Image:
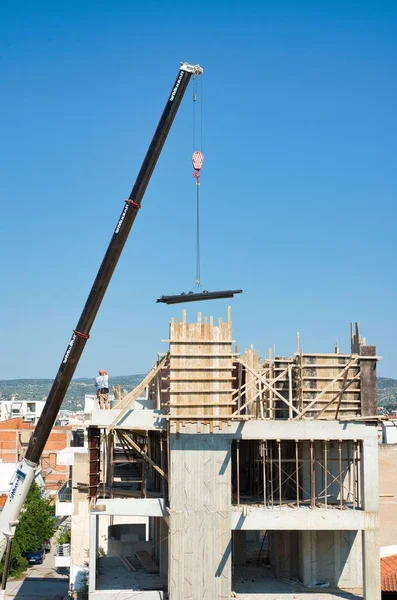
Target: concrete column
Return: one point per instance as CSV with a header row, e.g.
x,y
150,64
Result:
x,y
369,402
93,551
369,475
282,554
239,549
370,535
200,544
371,564
309,557
348,559
305,471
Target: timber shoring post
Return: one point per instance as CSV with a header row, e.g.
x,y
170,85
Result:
x,y
349,472
264,452
162,462
359,491
354,474
312,477
297,471
144,471
290,413
111,461
238,472
271,474
340,474
326,472
279,472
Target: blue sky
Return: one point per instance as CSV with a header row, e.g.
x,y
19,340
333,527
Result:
x,y
298,188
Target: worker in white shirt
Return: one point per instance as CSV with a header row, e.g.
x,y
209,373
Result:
x,y
102,386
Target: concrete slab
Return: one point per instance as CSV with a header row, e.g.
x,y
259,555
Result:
x,y
253,583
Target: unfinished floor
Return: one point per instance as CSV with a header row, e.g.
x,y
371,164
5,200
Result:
x,y
113,575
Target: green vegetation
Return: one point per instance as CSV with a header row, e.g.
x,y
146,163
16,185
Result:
x,y
18,563
63,537
35,527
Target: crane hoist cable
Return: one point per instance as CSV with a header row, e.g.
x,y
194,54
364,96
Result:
x,y
197,160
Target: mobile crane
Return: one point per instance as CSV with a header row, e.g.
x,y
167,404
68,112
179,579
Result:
x,y
25,470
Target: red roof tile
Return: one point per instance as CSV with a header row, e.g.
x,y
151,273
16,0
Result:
x,y
388,569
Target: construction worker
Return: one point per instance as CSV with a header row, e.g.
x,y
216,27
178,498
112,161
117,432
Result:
x,y
102,385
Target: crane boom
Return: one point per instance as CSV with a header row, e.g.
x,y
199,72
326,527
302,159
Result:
x,y
26,468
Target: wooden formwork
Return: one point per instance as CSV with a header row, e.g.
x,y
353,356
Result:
x,y
329,385
200,381
200,378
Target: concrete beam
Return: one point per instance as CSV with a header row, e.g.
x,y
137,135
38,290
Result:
x,y
257,429
150,420
300,519
134,507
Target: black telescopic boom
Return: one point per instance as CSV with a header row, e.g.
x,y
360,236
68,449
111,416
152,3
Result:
x,y
80,335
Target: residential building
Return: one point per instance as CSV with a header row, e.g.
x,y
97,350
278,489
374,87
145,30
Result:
x,y
28,410
14,438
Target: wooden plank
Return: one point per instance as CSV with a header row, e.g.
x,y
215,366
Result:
x,y
267,385
128,565
128,400
198,391
198,356
226,417
146,561
204,348
131,442
195,404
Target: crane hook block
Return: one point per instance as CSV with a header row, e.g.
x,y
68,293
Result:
x,y
197,160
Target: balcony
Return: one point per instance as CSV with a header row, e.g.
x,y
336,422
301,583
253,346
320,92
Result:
x,y
64,503
62,555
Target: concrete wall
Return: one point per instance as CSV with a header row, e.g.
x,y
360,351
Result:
x,y
284,554
199,530
388,494
333,557
79,523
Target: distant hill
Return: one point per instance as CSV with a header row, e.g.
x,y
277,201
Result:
x,y
37,389
387,393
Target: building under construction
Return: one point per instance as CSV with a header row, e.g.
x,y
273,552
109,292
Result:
x,y
227,475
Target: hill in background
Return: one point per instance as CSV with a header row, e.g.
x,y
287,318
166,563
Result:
x,y
37,389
